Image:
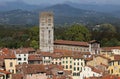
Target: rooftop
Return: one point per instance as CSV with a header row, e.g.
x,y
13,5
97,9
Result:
x,y
72,43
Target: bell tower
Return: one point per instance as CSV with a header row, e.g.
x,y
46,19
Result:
x,y
46,32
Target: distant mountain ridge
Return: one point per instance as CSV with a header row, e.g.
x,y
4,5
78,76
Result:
x,y
96,7
63,13
7,6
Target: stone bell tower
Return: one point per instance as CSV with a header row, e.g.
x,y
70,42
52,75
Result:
x,y
46,32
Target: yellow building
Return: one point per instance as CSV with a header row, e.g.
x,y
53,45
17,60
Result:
x,y
114,66
10,63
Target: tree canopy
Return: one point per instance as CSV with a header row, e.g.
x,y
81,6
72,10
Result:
x,y
77,33
14,36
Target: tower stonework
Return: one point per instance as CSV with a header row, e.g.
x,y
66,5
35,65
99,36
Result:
x,y
46,33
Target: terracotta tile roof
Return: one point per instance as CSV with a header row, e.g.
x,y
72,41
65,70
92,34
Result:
x,y
110,48
110,77
105,77
23,50
31,68
5,72
35,57
57,55
48,69
35,68
78,56
116,57
17,76
86,53
51,66
67,53
73,43
62,51
10,56
44,54
68,72
93,78
61,77
7,53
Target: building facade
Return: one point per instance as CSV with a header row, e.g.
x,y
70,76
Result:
x,y
114,66
22,56
89,72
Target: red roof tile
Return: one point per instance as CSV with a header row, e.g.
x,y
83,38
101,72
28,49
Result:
x,y
5,72
35,57
110,48
17,76
116,57
73,43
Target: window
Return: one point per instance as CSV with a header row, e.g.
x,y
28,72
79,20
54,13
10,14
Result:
x,y
42,24
81,68
49,24
70,66
19,58
78,63
12,71
111,71
78,74
11,64
24,59
49,20
59,63
66,66
66,61
49,31
74,68
118,62
49,41
81,63
78,68
74,74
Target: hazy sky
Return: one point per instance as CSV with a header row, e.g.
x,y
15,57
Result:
x,y
61,1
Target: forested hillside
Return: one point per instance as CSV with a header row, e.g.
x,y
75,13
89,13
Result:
x,y
16,36
63,14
